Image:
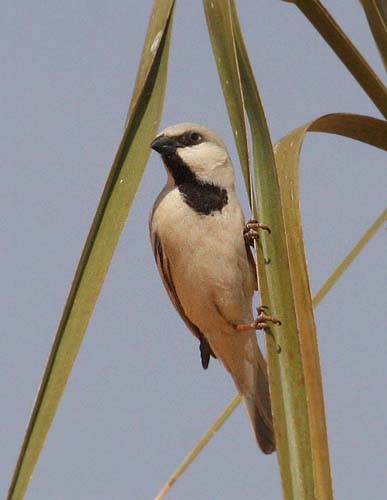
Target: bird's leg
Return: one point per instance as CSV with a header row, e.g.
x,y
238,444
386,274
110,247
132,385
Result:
x,y
251,231
261,321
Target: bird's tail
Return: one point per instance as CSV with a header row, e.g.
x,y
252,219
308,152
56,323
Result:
x,y
244,360
257,402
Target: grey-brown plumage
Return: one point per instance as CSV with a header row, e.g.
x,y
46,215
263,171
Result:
x,y
196,230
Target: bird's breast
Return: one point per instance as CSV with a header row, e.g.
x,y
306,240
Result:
x,y
182,229
203,250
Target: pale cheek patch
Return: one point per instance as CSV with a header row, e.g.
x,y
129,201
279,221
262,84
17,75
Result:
x,y
207,161
203,157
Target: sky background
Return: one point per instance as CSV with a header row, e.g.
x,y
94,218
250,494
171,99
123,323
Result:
x,y
138,398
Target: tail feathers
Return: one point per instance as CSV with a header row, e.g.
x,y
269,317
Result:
x,y
257,402
261,423
245,362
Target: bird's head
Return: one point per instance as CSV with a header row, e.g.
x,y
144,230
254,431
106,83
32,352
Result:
x,y
192,153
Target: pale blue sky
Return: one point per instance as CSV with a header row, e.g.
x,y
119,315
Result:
x,y
138,399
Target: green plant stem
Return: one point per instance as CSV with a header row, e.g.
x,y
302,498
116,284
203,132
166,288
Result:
x,y
322,292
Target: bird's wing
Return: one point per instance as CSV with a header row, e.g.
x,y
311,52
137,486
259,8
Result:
x,y
166,275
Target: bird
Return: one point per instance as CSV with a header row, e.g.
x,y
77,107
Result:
x,y
197,235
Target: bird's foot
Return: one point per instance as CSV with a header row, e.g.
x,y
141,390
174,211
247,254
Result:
x,y
251,231
261,323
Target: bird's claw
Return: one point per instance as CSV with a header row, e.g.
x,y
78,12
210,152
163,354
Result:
x,y
261,323
264,318
251,230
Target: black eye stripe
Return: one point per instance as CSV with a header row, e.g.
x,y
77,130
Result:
x,y
191,138
195,137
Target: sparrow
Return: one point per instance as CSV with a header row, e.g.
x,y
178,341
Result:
x,y
197,235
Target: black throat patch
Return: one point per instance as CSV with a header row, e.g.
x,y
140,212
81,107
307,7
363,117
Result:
x,y
203,197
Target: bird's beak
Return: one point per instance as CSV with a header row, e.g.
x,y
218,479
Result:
x,y
164,145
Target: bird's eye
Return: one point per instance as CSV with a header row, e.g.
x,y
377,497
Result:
x,y
195,138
